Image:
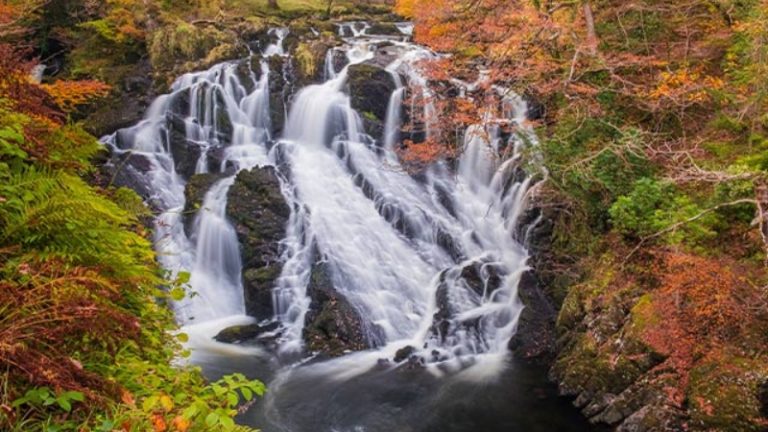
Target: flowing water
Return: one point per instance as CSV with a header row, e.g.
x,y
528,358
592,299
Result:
x,y
398,247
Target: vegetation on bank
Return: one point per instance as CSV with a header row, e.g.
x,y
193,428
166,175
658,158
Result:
x,y
654,134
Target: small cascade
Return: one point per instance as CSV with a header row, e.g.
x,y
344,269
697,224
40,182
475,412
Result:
x,y
276,48
217,261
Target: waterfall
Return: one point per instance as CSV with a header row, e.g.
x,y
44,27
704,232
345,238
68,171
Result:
x,y
429,261
206,111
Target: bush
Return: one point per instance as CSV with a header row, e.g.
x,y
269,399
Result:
x,y
653,207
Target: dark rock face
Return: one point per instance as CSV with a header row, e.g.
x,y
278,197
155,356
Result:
x,y
370,88
194,194
332,326
535,336
244,333
279,89
128,104
259,213
129,170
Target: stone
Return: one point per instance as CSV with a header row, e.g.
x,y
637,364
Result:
x,y
244,333
404,353
259,215
194,193
370,88
332,325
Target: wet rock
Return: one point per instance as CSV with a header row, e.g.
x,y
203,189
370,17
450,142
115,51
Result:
x,y
129,170
332,325
259,214
384,29
536,109
185,153
194,193
370,88
244,333
279,90
535,336
404,353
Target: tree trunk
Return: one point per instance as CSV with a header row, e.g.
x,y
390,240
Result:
x,y
591,34
273,4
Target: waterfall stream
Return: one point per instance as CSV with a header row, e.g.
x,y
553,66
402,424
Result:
x,y
398,247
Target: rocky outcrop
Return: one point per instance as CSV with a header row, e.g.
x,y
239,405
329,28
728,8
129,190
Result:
x,y
332,326
128,170
194,193
370,88
126,104
279,91
309,59
259,214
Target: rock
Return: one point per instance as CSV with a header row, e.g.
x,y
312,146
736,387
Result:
x,y
384,29
194,193
279,90
129,170
762,397
185,153
654,418
332,326
244,333
127,103
259,214
370,88
310,60
404,353
535,336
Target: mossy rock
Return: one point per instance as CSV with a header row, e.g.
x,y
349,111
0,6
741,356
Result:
x,y
384,29
332,326
370,88
194,193
180,47
724,395
259,214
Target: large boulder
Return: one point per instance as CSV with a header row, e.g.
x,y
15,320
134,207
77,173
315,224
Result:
x,y
332,325
259,213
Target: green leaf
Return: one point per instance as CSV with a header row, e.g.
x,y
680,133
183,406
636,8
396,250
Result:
x,y
211,419
232,399
247,393
178,294
64,404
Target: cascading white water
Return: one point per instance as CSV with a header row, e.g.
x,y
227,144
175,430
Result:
x,y
398,248
205,104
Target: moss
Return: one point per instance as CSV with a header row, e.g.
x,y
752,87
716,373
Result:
x,y
723,395
180,42
571,311
305,59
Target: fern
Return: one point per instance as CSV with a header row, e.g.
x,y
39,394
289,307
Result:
x,y
55,215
